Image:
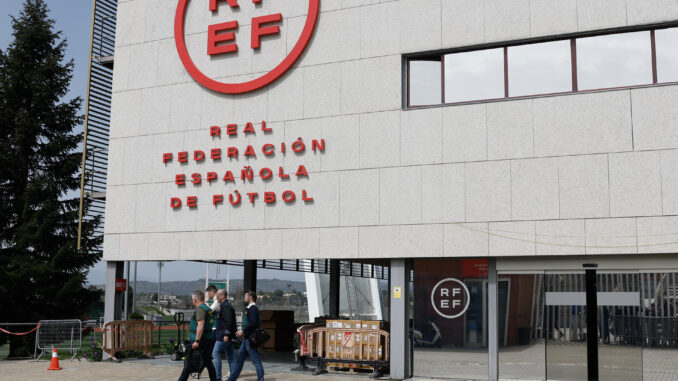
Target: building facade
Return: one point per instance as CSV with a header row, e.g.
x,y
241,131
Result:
x,y
514,164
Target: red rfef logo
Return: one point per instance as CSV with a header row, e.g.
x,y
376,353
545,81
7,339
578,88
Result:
x,y
450,298
221,39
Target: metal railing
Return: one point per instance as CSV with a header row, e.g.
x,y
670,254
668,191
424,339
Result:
x,y
319,266
97,119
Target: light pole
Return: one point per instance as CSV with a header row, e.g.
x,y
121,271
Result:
x,y
134,293
160,264
126,289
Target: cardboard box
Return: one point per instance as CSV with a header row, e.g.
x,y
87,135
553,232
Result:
x,y
374,324
343,324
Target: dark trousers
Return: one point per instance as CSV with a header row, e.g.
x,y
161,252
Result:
x,y
205,348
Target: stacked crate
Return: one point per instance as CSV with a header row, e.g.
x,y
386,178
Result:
x,y
354,340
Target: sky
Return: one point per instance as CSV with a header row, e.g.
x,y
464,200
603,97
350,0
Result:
x,y
73,17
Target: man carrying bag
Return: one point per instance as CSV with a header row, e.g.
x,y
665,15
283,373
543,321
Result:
x,y
251,328
200,339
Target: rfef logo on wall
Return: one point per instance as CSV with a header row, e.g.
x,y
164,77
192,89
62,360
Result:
x,y
450,298
225,39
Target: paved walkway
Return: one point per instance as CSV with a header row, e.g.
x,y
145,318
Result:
x,y
126,371
519,363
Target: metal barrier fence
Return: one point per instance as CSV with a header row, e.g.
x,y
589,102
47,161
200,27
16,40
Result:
x,y
166,332
59,334
648,331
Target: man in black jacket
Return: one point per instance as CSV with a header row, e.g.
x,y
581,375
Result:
x,y
250,323
224,334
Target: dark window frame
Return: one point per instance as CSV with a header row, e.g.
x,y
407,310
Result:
x,y
572,37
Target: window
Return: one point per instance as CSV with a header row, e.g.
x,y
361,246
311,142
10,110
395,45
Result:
x,y
561,66
540,68
614,60
474,75
666,42
425,82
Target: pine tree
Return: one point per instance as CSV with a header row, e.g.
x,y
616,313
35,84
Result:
x,y
42,274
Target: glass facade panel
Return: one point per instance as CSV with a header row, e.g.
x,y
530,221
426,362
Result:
x,y
619,352
659,325
666,43
521,337
450,318
476,75
425,86
565,326
614,60
540,68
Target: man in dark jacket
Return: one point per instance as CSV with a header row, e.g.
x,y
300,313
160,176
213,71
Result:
x,y
224,334
250,323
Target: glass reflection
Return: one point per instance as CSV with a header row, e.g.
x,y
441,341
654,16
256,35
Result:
x,y
540,68
474,75
425,82
619,352
659,325
614,60
565,326
521,337
449,340
666,42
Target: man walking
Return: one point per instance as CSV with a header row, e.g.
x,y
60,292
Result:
x,y
211,299
224,333
250,323
200,336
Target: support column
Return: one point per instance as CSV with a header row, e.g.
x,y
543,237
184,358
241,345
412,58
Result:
x,y
250,276
592,324
492,320
109,289
119,295
112,299
400,320
335,284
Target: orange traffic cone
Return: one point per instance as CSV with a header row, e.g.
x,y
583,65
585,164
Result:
x,y
54,365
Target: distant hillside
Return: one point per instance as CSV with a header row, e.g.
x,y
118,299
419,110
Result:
x,y
180,288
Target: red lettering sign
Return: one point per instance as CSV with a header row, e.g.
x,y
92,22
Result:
x,y
222,39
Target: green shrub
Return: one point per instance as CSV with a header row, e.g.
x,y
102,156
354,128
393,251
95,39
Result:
x,y
136,316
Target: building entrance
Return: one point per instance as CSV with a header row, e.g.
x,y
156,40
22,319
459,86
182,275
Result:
x,y
591,323
628,336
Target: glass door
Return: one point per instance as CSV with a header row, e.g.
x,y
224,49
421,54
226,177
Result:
x,y
620,355
565,326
